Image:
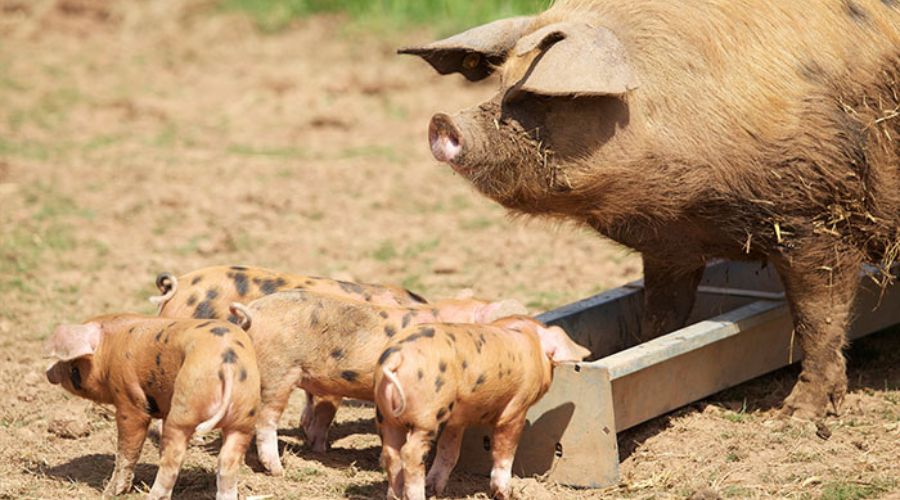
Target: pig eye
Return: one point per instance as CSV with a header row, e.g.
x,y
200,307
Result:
x,y
75,377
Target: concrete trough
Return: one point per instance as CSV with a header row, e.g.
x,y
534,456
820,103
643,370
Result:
x,y
740,328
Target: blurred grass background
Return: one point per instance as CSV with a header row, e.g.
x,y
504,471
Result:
x,y
445,16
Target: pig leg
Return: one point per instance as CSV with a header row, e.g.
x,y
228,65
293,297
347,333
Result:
x,y
323,414
175,440
413,455
669,293
234,445
821,299
392,440
274,399
132,429
504,441
445,459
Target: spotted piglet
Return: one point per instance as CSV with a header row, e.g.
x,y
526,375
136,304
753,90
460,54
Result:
x,y
206,293
196,375
328,346
452,376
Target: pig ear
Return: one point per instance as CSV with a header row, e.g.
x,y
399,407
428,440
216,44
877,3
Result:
x,y
69,342
476,52
496,310
575,59
559,347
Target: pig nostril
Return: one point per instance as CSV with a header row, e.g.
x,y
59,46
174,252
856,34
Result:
x,y
444,137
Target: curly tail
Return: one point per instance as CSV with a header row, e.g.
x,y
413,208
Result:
x,y
168,285
242,314
227,388
389,369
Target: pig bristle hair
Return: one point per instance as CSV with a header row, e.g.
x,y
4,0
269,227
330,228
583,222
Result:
x,y
243,313
168,285
392,378
209,424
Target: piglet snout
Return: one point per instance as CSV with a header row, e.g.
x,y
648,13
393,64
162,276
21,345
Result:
x,y
445,138
53,374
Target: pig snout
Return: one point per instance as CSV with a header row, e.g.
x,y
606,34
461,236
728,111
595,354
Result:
x,y
445,138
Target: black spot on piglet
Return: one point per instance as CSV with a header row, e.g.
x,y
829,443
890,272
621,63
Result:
x,y
229,356
240,283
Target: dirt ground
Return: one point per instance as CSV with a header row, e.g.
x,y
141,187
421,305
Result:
x,y
143,137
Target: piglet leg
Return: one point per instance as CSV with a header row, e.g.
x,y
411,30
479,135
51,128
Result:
x,y
172,450
504,441
274,398
445,460
392,440
413,456
234,445
306,418
323,414
132,429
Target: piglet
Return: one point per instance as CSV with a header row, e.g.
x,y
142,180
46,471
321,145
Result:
x,y
435,375
206,293
196,375
328,346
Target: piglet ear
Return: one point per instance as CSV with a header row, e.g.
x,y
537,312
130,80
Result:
x,y
496,310
559,347
69,342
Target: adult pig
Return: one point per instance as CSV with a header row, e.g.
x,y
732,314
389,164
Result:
x,y
698,129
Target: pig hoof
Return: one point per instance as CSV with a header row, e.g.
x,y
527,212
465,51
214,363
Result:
x,y
810,402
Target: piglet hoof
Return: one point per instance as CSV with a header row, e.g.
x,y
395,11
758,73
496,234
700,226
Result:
x,y
502,494
273,467
117,486
433,488
318,444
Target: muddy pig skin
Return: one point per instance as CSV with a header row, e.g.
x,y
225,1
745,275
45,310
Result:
x,y
196,375
439,375
692,130
206,293
328,346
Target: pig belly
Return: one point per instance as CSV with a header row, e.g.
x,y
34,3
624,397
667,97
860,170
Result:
x,y
337,384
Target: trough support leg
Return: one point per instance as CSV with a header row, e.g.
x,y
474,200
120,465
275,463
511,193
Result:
x,y
821,299
669,294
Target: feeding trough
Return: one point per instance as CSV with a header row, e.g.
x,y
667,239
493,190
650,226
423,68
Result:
x,y
740,328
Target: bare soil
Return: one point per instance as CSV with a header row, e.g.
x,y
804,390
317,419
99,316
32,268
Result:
x,y
143,137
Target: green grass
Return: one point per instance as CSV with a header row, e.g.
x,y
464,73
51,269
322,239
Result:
x,y
447,15
839,490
